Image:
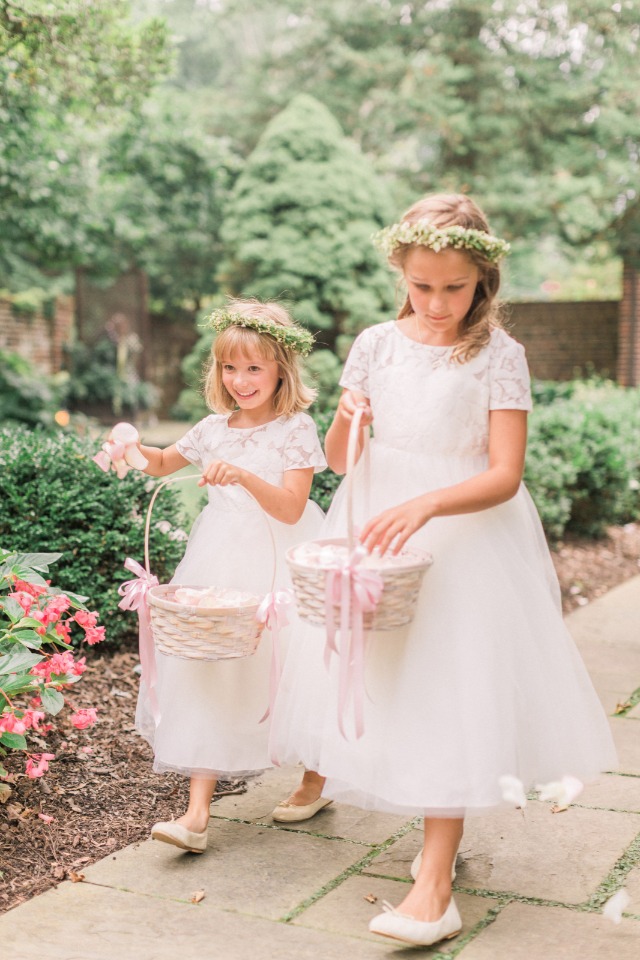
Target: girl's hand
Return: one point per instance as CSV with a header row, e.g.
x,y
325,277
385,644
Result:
x,y
221,473
349,402
396,525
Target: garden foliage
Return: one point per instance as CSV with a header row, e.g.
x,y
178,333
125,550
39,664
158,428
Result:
x,y
37,662
583,457
54,499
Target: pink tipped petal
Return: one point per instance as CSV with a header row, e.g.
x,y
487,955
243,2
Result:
x,y
125,433
616,905
134,457
513,791
115,450
121,468
103,460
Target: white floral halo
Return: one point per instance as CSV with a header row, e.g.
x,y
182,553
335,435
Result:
x,y
295,337
424,234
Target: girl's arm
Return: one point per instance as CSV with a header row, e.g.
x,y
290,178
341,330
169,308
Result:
x,y
162,462
498,483
285,503
335,442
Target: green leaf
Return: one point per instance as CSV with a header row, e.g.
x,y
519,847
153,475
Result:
x,y
15,741
16,683
37,561
12,608
21,660
28,637
52,701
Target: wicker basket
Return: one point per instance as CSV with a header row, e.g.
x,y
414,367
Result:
x,y
197,633
402,581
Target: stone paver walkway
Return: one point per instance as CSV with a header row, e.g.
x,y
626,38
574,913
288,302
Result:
x,y
530,885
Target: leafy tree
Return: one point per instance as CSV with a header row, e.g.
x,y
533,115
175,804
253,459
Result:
x,y
159,204
299,225
529,105
66,70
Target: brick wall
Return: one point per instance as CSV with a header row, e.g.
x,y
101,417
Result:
x,y
567,339
36,337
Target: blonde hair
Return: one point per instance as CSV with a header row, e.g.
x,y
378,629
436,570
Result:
x,y
292,394
448,210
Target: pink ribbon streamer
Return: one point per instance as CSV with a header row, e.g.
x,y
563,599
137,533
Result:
x,y
273,613
356,591
134,597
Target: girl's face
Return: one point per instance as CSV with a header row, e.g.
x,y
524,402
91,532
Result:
x,y
441,288
251,380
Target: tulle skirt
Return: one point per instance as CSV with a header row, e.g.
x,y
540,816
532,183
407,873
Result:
x,y
210,711
486,680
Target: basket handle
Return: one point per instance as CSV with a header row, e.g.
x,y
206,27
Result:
x,y
352,447
196,476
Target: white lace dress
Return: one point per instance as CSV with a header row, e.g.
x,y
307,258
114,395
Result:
x,y
487,680
210,710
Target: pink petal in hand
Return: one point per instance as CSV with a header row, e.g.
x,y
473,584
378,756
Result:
x,y
115,450
103,460
124,433
121,468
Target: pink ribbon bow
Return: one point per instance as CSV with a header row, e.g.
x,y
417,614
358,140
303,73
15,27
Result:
x,y
356,591
134,597
273,613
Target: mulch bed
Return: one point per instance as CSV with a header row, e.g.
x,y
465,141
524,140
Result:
x,y
101,791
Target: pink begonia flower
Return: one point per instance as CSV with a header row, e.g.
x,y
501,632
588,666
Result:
x,y
26,600
38,764
85,618
9,723
94,635
82,719
63,631
121,451
513,791
33,718
616,905
35,589
46,818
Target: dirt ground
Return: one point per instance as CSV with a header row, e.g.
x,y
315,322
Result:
x,y
100,792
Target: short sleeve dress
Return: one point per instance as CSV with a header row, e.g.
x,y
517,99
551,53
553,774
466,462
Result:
x,y
210,710
487,680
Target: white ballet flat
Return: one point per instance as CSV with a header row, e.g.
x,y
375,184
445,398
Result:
x,y
418,933
179,836
287,812
417,861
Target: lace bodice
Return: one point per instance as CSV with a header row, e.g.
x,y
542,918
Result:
x,y
423,401
286,443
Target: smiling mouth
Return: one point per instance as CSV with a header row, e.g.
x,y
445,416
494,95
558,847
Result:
x,y
246,396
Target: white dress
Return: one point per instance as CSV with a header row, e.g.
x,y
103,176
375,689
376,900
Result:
x,y
487,680
210,710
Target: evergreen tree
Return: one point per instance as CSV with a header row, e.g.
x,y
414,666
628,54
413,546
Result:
x,y
299,223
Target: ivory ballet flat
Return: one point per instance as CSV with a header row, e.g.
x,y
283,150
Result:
x,y
287,812
417,861
417,933
179,836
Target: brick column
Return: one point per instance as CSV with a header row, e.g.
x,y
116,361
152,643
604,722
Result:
x,y
629,326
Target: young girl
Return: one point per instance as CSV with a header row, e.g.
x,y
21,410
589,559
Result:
x,y
486,681
259,441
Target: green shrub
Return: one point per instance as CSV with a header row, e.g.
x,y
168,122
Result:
x,y
54,499
583,459
99,379
27,395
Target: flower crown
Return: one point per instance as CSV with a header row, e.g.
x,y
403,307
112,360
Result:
x,y
425,234
295,337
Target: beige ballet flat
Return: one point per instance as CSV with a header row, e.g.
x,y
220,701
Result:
x,y
287,812
179,836
417,933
